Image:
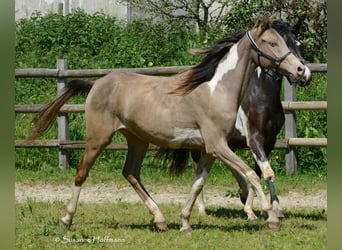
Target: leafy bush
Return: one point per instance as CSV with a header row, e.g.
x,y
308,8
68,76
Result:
x,y
99,41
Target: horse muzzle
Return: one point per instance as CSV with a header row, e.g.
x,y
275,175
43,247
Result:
x,y
303,80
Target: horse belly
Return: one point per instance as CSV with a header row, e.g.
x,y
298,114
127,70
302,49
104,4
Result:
x,y
186,137
168,137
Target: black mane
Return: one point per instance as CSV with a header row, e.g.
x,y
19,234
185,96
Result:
x,y
205,70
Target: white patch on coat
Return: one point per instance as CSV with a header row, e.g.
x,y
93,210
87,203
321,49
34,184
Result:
x,y
241,123
228,64
258,70
183,134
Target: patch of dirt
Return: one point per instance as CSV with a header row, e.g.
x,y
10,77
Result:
x,y
111,192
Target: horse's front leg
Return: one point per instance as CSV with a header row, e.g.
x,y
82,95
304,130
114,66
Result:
x,y
232,161
260,153
203,168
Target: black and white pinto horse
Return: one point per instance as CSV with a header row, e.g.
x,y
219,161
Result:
x,y
259,120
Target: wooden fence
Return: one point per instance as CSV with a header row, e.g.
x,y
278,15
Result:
x,y
61,73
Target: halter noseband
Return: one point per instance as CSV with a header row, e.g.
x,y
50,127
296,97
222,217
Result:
x,y
260,53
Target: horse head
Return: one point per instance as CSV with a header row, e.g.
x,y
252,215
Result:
x,y
289,35
272,52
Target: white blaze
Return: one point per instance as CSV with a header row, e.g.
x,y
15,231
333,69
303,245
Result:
x,y
228,64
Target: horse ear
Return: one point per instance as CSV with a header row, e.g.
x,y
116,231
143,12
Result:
x,y
264,22
272,18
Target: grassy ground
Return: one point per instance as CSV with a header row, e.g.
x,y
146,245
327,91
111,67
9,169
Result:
x,y
129,226
219,175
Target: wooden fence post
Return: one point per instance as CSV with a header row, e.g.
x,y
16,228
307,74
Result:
x,y
63,119
290,128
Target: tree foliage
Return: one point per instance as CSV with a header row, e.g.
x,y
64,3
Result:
x,y
212,16
312,16
203,13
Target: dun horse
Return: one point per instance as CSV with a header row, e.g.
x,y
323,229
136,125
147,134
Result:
x,y
195,109
259,120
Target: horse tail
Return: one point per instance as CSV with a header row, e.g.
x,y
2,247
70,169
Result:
x,y
44,118
176,160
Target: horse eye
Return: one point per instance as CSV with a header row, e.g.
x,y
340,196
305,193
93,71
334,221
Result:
x,y
272,44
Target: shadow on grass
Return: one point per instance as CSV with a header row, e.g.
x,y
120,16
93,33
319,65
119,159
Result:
x,y
234,220
228,212
314,215
247,227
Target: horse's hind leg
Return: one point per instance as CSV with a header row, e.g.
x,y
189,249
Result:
x,y
246,194
135,155
196,155
88,159
98,137
203,168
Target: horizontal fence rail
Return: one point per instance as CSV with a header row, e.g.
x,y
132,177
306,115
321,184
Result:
x,y
83,73
79,108
62,73
281,143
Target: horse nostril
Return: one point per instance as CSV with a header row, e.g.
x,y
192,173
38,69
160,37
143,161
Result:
x,y
300,68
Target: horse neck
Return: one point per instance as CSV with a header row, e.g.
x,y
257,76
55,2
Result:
x,y
235,70
263,90
267,85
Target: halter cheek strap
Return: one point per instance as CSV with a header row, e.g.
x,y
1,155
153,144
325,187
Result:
x,y
276,61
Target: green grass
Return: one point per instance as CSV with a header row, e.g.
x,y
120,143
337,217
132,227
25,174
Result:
x,y
129,226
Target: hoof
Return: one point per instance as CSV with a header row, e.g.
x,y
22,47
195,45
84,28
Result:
x,y
252,218
65,224
274,226
186,230
162,226
279,213
202,213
